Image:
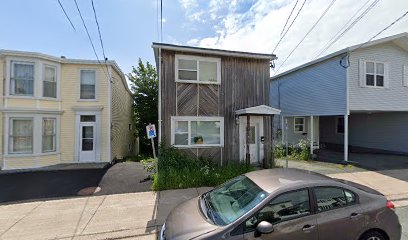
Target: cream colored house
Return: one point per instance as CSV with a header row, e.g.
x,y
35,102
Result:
x,y
58,110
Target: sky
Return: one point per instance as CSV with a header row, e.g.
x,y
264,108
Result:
x,y
128,27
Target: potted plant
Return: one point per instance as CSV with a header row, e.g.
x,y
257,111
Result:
x,y
198,140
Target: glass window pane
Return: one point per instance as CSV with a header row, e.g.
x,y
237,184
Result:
x,y
187,75
48,126
299,120
284,207
340,125
181,133
87,144
208,71
370,80
48,136
252,135
87,91
369,67
48,144
88,118
379,68
205,132
329,198
87,132
187,64
21,136
49,74
350,197
88,77
380,81
23,71
50,89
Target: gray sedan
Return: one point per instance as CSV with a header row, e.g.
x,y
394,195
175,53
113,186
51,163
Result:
x,y
285,204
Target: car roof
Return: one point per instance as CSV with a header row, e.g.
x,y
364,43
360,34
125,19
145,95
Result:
x,y
272,179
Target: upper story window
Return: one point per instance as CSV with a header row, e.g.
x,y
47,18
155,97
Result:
x,y
299,124
198,69
374,73
22,78
50,81
88,79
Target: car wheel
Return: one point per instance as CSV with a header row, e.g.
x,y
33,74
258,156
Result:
x,y
372,235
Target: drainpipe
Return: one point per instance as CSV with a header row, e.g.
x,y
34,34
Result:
x,y
159,98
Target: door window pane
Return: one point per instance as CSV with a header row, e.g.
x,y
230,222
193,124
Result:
x,y
87,144
329,198
88,78
181,133
87,132
22,79
48,135
208,71
87,118
87,138
252,135
284,207
205,132
21,136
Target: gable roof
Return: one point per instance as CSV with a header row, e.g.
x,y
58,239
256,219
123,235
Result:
x,y
400,40
258,110
214,51
63,60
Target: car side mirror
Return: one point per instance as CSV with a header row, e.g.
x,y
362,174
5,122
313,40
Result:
x,y
263,227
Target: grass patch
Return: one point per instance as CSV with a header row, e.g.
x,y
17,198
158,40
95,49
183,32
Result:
x,y
180,171
136,158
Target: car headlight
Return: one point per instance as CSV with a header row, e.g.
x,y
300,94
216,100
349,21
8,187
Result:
x,y
162,232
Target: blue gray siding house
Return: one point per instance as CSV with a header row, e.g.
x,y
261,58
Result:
x,y
354,98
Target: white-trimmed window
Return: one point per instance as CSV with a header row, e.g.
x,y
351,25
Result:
x,y
21,135
197,131
87,88
22,78
340,125
193,69
49,81
48,135
374,74
299,124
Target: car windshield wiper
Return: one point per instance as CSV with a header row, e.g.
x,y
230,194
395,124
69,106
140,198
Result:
x,y
210,209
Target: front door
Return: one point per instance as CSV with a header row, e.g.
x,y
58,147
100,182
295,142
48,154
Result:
x,y
87,142
255,134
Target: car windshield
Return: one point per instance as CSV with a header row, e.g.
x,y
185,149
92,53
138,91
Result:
x,y
228,202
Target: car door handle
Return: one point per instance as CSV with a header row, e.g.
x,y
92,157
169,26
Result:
x,y
307,228
355,215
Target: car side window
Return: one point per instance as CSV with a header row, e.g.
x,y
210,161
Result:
x,y
284,207
329,198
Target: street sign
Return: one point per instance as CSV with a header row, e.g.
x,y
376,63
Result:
x,y
151,131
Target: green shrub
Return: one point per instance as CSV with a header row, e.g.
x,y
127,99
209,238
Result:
x,y
149,165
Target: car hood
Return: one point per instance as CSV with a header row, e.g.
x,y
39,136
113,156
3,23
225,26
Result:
x,y
186,221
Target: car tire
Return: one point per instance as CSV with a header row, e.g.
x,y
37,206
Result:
x,y
372,235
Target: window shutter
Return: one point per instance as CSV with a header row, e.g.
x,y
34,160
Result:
x,y
405,76
386,75
361,70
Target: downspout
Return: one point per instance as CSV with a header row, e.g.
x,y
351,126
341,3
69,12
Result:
x,y
109,152
159,98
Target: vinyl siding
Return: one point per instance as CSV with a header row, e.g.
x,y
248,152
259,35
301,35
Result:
x,y
294,137
2,71
319,89
393,98
121,112
384,131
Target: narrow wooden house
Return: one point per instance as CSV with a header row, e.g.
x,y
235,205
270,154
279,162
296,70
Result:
x,y
213,102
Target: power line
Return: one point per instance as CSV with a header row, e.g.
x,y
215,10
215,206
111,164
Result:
x,y
89,37
161,20
66,15
287,20
310,30
99,30
343,31
293,21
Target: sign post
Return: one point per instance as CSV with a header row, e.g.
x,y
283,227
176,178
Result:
x,y
151,134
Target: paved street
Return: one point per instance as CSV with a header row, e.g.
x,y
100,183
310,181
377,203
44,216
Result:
x,y
140,215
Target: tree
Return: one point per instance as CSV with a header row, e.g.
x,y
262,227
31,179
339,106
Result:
x,y
144,85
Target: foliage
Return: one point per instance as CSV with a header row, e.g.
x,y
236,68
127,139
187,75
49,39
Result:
x,y
177,170
144,85
149,165
136,158
300,151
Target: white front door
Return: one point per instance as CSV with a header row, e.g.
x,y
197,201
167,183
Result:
x,y
87,148
256,149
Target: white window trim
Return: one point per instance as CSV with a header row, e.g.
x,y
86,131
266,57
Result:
x,y
294,124
336,126
96,85
56,82
198,59
55,134
37,131
385,83
189,119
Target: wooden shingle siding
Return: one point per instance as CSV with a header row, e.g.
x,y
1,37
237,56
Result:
x,y
244,83
187,99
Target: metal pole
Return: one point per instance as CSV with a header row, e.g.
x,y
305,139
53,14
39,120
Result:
x,y
286,139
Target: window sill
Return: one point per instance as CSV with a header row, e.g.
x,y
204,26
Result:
x,y
32,98
17,155
198,82
374,87
87,100
198,146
